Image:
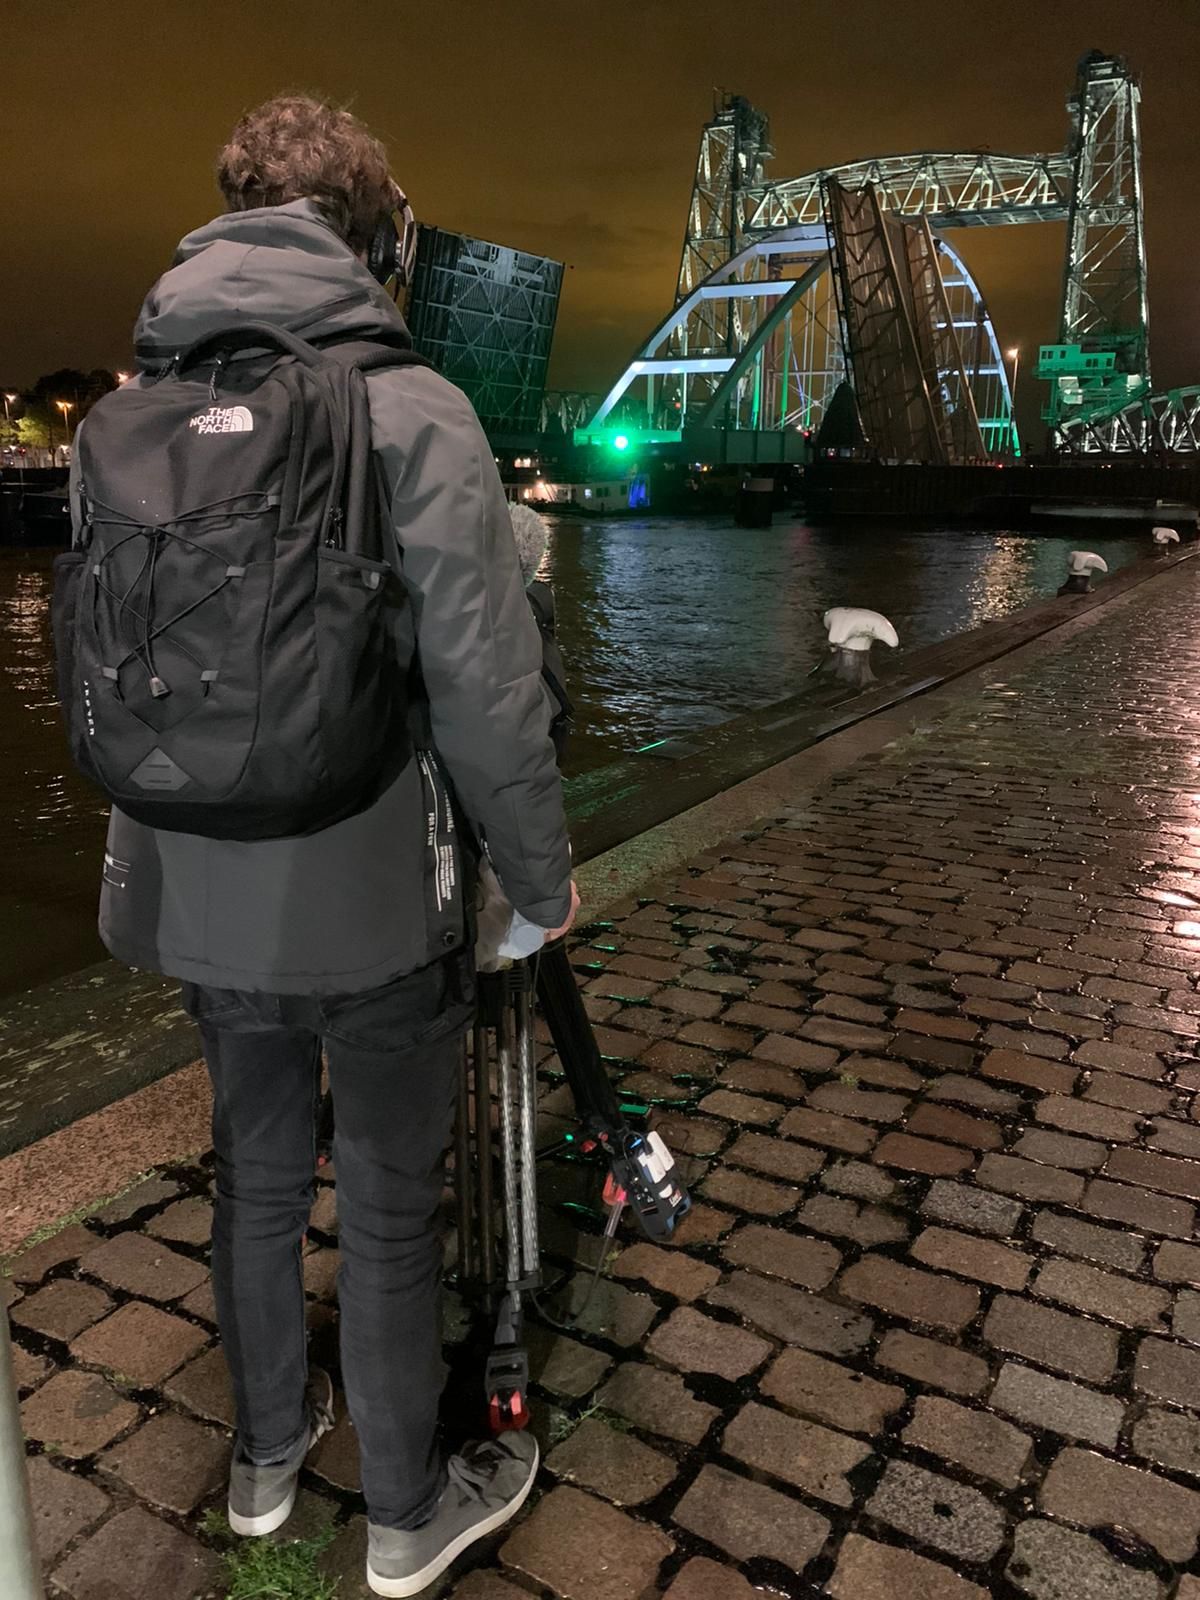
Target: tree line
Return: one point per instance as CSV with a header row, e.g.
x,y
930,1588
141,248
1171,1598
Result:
x,y
34,419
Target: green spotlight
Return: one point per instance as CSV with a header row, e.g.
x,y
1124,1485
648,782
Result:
x,y
621,442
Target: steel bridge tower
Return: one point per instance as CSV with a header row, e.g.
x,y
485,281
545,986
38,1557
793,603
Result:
x,y
735,146
1102,360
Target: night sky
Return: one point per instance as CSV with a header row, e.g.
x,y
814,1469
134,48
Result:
x,y
564,128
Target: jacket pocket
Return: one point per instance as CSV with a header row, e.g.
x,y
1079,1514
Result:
x,y
442,868
418,1008
204,1004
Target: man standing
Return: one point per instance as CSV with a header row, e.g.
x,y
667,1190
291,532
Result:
x,y
354,938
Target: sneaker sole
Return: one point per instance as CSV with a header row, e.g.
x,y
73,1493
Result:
x,y
402,1588
256,1527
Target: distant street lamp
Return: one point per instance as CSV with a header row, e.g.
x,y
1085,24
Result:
x,y
66,407
8,401
1014,355
123,377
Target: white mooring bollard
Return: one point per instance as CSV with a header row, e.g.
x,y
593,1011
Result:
x,y
1164,538
852,631
1080,566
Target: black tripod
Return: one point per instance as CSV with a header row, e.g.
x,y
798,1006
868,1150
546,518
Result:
x,y
495,1158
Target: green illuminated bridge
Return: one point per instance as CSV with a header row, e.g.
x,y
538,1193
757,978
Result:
x,y
789,290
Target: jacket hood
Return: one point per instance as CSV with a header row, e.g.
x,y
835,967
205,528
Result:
x,y
279,264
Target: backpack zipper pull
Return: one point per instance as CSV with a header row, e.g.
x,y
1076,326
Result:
x,y
218,363
334,540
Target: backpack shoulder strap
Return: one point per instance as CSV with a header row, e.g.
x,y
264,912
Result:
x,y
370,355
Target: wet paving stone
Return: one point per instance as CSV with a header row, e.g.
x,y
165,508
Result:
x,y
910,1293
971,1257
29,1369
748,1519
696,1343
811,1263
1054,1563
974,1209
64,1504
578,1545
702,1579
76,1413
1053,1338
828,1392
1169,1439
867,1570
984,1445
612,1464
812,1458
1045,1402
1088,1489
1073,1237
62,1309
150,1192
143,1266
139,1342
670,1271
866,1225
938,1512
68,1244
1168,1371
135,1555
657,1401
1103,1294
793,1315
203,1387
170,1462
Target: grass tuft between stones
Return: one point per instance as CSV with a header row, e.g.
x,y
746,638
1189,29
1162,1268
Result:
x,y
258,1569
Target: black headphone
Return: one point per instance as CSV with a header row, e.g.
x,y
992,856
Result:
x,y
393,249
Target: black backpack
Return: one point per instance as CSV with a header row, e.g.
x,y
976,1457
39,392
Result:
x,y
554,675
222,626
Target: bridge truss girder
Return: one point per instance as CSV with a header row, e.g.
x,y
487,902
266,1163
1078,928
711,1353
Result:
x,y
954,189
789,359
1153,424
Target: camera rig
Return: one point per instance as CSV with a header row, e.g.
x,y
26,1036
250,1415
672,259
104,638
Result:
x,y
495,1136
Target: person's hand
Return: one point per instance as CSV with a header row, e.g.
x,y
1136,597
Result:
x,y
557,933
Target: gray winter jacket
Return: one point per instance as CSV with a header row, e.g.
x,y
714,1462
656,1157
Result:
x,y
344,910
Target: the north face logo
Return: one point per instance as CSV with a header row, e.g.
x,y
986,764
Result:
x,y
223,419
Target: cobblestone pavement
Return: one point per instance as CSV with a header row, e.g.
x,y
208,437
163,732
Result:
x,y
932,1330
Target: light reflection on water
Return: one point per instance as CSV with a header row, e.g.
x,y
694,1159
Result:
x,y
666,625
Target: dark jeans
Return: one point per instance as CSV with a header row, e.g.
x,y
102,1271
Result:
x,y
393,1055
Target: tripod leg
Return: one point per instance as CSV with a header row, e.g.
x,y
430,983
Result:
x,y
468,1236
527,1079
482,1068
507,1376
571,1029
509,1153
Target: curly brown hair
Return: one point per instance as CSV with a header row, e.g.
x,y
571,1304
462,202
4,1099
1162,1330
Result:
x,y
298,148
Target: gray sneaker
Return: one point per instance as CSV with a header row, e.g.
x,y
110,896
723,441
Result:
x,y
487,1484
261,1498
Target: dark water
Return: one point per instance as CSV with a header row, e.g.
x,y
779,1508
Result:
x,y
666,626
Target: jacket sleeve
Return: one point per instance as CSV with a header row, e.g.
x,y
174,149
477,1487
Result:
x,y
479,646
